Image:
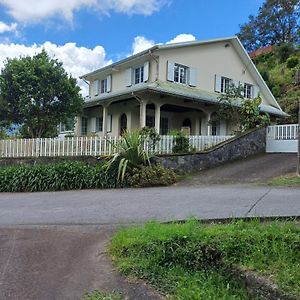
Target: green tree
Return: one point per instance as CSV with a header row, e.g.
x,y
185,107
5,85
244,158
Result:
x,y
37,94
277,23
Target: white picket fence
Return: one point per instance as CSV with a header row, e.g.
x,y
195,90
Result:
x,y
92,146
282,138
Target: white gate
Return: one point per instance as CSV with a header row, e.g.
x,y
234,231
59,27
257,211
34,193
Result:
x,y
282,138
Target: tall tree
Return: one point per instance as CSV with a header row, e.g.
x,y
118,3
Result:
x,y
37,94
277,22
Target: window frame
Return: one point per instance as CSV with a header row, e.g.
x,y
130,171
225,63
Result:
x,y
99,124
84,129
164,126
103,86
138,74
180,74
248,90
225,84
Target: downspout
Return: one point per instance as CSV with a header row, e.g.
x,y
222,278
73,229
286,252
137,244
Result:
x,y
155,57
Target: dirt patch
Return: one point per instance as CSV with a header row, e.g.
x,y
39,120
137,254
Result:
x,y
61,262
255,169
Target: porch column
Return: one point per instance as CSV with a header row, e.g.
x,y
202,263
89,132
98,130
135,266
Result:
x,y
104,118
77,126
197,126
143,106
208,124
157,117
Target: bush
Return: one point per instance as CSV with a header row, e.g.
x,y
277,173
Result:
x,y
151,176
283,52
292,62
56,177
181,142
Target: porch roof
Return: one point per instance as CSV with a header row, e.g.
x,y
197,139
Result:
x,y
171,89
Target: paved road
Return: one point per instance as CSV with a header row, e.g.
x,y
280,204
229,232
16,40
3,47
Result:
x,y
139,205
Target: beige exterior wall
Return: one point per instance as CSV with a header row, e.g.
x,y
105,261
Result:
x,y
209,60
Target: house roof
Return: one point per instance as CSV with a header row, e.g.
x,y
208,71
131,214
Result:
x,y
249,65
175,90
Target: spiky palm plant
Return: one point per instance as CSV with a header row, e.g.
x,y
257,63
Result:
x,y
130,153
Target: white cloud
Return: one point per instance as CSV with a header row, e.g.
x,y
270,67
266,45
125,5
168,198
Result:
x,y
76,60
8,27
140,44
30,11
183,37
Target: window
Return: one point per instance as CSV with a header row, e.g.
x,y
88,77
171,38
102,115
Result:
x,y
248,90
164,126
180,74
225,84
123,123
103,86
84,125
150,121
99,124
139,75
67,126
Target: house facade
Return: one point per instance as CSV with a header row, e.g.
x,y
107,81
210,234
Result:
x,y
169,87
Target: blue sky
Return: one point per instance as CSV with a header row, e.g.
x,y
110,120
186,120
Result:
x,y
102,31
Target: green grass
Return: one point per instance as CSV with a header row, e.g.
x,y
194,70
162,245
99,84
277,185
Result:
x,y
193,261
285,181
101,295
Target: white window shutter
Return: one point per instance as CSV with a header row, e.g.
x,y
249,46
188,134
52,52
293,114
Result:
x,y
95,87
218,83
128,77
170,70
108,83
255,91
146,71
193,77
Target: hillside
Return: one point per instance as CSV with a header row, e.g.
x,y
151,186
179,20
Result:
x,y
281,71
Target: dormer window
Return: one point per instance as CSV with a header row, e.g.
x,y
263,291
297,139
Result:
x,y
139,75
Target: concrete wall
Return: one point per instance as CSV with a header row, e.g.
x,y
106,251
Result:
x,y
240,147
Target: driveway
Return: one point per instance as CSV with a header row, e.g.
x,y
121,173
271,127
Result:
x,y
52,245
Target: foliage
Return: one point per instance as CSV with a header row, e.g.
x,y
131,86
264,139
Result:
x,y
129,154
147,176
281,80
56,177
245,113
292,62
181,142
101,295
283,52
194,261
277,23
37,94
151,136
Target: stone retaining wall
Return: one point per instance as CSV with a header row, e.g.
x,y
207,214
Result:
x,y
247,144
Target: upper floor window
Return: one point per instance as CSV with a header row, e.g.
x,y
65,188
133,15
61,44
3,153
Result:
x,y
248,90
225,84
180,74
103,86
139,75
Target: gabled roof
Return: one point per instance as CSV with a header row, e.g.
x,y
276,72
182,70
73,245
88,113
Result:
x,y
244,56
174,90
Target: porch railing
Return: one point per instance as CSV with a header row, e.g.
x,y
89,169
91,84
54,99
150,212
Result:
x,y
91,146
283,132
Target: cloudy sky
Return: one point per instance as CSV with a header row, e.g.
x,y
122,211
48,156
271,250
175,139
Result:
x,y
88,34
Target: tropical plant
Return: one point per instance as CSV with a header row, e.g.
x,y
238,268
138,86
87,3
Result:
x,y
181,142
130,153
151,136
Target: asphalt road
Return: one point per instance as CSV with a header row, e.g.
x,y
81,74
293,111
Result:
x,y
124,206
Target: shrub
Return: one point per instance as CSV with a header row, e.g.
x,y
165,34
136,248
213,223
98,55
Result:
x,y
55,177
292,62
181,142
283,52
151,176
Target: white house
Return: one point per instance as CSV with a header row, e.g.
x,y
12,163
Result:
x,y
169,87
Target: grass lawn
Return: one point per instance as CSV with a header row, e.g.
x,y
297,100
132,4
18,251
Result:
x,y
286,181
194,261
101,295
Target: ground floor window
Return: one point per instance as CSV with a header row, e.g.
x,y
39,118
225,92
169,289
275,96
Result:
x,y
164,126
123,123
150,121
99,124
84,125
67,126
215,128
